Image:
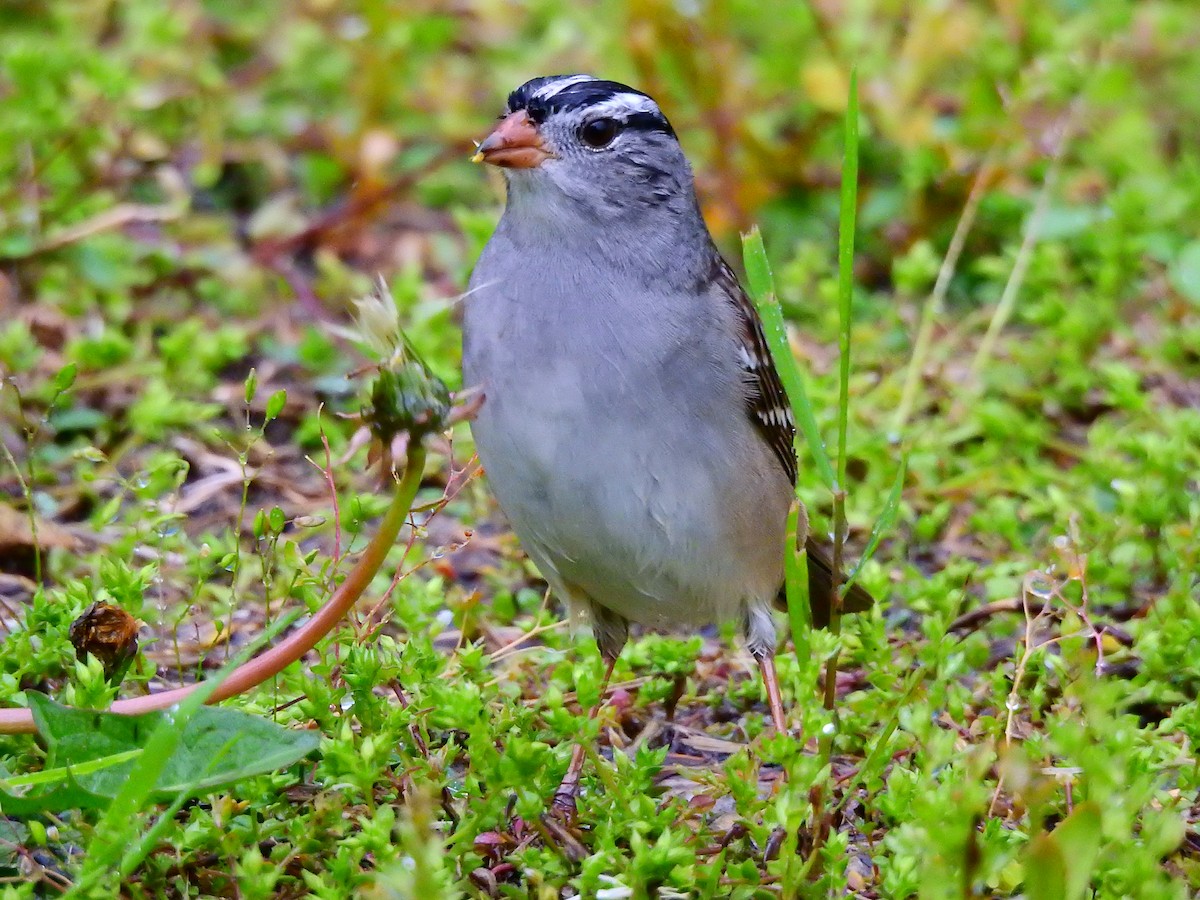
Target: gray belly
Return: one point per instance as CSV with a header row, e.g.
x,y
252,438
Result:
x,y
634,515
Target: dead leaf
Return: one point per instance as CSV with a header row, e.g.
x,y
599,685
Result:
x,y
17,532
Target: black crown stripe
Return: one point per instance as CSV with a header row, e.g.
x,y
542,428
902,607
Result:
x,y
580,96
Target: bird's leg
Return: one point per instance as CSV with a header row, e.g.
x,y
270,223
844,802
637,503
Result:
x,y
760,641
563,804
766,665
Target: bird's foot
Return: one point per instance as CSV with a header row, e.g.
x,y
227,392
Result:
x,y
559,824
562,805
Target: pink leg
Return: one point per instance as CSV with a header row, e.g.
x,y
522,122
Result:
x,y
563,804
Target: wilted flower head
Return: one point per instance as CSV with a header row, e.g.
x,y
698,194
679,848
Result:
x,y
406,401
378,322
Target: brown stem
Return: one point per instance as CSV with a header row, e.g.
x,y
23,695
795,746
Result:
x,y
303,639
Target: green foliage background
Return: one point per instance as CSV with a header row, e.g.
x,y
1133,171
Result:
x,y
187,187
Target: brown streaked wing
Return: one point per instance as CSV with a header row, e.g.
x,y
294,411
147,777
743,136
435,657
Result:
x,y
767,403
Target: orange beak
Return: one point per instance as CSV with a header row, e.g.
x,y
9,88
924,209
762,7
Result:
x,y
515,144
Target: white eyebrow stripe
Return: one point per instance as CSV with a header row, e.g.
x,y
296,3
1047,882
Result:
x,y
627,104
554,87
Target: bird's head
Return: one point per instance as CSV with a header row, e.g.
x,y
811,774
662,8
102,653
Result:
x,y
600,145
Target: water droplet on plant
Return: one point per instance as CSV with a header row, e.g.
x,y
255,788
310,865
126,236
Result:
x,y
1040,587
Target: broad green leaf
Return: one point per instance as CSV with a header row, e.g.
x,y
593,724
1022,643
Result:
x,y
1045,870
91,754
217,747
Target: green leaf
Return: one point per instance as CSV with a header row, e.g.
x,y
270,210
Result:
x,y
1045,870
1078,837
64,378
91,754
275,404
758,269
886,517
217,746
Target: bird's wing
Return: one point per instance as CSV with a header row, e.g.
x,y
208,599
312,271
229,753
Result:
x,y
768,407
766,402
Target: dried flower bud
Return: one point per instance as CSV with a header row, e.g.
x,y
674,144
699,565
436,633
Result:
x,y
108,633
405,397
378,323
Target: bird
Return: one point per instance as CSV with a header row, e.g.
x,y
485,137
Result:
x,y
633,427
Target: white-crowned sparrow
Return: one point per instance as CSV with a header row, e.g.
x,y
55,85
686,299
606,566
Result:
x,y
633,426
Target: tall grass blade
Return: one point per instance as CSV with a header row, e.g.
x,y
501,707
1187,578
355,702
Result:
x,y
886,517
846,225
762,291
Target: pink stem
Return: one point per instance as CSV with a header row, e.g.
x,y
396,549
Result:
x,y
299,642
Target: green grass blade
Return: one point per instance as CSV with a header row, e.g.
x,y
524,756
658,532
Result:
x,y
762,290
846,225
795,572
886,517
64,773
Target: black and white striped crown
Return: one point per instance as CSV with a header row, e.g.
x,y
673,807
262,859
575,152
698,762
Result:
x,y
551,94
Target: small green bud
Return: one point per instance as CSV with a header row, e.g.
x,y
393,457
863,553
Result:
x,y
64,378
275,405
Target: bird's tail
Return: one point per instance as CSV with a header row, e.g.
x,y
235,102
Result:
x,y
820,586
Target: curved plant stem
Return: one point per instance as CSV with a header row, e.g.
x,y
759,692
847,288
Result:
x,y
1033,227
936,301
299,642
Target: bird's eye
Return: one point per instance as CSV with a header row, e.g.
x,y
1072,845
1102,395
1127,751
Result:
x,y
599,133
